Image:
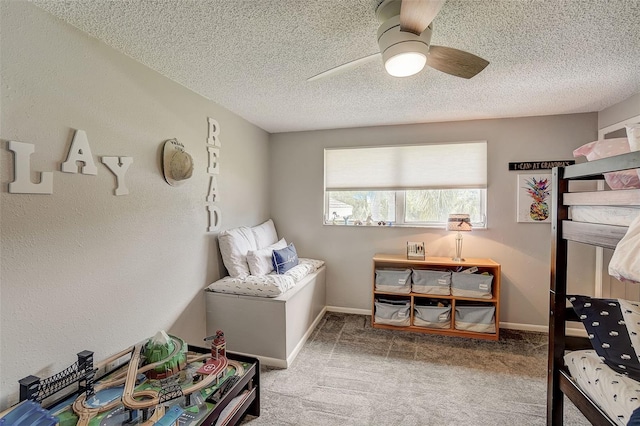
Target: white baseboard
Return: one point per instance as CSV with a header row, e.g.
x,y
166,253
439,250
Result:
x,y
265,360
504,325
541,328
343,310
524,327
576,332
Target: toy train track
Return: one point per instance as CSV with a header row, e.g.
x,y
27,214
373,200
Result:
x,y
146,399
121,378
117,392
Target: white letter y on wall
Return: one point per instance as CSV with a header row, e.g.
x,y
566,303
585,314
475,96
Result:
x,y
119,167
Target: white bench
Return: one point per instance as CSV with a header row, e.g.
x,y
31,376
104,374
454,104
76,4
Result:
x,y
270,329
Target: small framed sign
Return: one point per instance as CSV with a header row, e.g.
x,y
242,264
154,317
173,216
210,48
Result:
x,y
415,250
539,165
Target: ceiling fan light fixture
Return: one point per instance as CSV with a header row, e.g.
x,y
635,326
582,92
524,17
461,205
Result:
x,y
405,64
405,59
403,53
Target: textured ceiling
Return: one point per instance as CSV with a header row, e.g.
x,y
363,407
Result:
x,y
254,56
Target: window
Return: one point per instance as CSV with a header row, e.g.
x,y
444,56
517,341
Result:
x,y
410,185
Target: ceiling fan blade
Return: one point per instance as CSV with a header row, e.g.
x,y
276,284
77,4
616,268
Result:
x,y
416,15
344,67
455,62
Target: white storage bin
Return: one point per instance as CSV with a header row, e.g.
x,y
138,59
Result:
x,y
471,285
432,316
392,312
431,282
393,280
476,318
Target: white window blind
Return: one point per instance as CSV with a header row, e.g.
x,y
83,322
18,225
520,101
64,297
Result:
x,y
433,166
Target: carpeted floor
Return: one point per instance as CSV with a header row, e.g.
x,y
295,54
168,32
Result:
x,y
350,374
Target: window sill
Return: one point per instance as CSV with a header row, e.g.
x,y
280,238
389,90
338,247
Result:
x,y
395,225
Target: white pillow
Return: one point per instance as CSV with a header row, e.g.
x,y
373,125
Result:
x,y
625,262
265,234
633,134
260,260
234,245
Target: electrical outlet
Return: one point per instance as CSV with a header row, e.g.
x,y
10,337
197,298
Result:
x,y
114,365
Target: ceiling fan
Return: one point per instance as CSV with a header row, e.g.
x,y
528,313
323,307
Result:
x,y
404,37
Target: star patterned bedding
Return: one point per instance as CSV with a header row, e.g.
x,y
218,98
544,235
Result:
x,y
617,395
610,372
271,285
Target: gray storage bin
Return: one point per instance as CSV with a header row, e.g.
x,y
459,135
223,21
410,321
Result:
x,y
476,318
471,285
432,316
392,312
393,280
431,282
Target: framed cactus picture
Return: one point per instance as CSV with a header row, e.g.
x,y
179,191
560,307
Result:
x,y
534,198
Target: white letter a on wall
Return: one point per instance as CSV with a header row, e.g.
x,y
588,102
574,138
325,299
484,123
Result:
x,y
22,170
80,151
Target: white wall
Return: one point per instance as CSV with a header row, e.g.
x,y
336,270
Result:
x,y
82,268
523,249
614,114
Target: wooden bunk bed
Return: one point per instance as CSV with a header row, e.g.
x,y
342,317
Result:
x,y
599,235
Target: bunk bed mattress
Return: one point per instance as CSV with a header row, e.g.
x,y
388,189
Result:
x,y
272,285
606,215
616,394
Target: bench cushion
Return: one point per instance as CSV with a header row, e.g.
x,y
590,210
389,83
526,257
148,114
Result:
x,y
272,285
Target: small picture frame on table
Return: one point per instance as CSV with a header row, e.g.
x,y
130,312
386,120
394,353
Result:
x,y
415,250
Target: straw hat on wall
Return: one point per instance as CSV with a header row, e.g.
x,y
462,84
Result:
x,y
177,164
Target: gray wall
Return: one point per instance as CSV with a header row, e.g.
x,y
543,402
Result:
x,y
82,268
523,249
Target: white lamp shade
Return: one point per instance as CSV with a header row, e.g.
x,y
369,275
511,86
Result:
x,y
459,222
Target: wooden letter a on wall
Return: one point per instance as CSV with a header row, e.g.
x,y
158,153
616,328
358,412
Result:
x,y
80,151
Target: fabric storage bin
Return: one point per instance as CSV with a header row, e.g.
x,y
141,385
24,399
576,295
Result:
x,y
471,285
431,282
432,316
392,312
476,318
393,280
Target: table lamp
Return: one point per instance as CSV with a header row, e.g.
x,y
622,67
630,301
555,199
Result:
x,y
459,222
